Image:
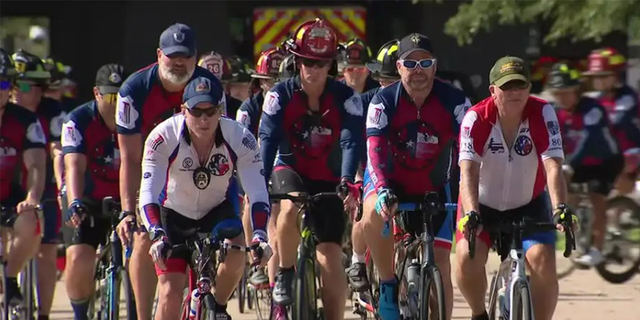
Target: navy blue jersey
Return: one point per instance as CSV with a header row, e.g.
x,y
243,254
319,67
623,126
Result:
x,y
249,112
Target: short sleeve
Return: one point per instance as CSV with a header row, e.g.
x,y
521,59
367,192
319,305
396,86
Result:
x,y
35,137
377,117
552,136
473,136
128,112
72,138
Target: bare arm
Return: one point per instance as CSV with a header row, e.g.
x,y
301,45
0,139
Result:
x,y
469,182
555,181
130,168
75,167
34,162
55,149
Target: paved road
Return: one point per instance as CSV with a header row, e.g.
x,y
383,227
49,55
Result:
x,y
583,296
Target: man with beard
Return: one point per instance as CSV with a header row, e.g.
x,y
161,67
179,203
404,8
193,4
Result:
x,y
92,161
147,98
32,82
412,128
22,144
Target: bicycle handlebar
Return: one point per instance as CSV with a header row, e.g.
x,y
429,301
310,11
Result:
x,y
432,205
305,198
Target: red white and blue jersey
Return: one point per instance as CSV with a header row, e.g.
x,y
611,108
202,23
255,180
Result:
x,y
624,114
412,148
586,134
143,102
510,177
319,146
86,133
250,111
20,131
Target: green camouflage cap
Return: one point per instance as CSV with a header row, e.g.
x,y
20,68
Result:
x,y
507,69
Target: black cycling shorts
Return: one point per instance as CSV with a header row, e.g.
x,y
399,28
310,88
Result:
x,y
180,228
93,233
327,217
605,174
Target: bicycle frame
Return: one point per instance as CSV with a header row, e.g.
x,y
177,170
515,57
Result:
x,y
518,275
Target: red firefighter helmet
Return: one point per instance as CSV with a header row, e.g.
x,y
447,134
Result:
x,y
268,64
216,64
314,40
605,61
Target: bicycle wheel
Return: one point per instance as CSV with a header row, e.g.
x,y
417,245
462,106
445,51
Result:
x,y
432,288
522,305
129,299
27,285
262,298
241,291
622,241
304,301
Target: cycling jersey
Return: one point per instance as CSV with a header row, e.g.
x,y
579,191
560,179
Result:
x,y
233,105
586,137
51,118
249,112
411,148
86,133
20,131
143,102
624,115
170,167
510,178
320,146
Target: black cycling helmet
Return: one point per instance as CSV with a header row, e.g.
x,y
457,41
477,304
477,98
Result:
x,y
30,67
562,77
384,65
287,67
57,70
355,52
7,68
240,69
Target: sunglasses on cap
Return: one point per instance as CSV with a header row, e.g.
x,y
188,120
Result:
x,y
514,85
412,64
210,112
5,84
310,63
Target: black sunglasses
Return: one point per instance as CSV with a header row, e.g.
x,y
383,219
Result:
x,y
210,112
310,63
514,85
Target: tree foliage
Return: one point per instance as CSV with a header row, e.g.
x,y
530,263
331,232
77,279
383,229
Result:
x,y
573,19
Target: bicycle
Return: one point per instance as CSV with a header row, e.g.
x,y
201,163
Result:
x,y
305,302
110,272
242,291
198,302
510,291
261,297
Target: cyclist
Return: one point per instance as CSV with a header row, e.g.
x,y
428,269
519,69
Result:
x,y
22,145
240,85
412,126
315,125
193,156
147,98
509,142
621,102
352,66
249,115
32,82
383,69
55,89
591,151
92,162
221,68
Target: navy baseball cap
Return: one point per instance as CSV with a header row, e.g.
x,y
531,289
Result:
x,y
200,90
178,39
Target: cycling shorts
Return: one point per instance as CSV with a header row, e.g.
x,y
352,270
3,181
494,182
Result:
x,y
327,216
180,228
50,214
605,174
92,232
443,225
539,210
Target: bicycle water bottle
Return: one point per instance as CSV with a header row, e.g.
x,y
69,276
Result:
x,y
413,285
193,304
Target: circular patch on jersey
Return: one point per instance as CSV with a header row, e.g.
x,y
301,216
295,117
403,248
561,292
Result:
x,y
523,145
218,165
187,162
201,178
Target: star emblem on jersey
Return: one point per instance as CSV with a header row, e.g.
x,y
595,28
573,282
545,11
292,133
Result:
x,y
108,159
178,37
416,145
523,145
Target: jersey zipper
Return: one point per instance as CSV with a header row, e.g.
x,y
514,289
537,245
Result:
x,y
507,176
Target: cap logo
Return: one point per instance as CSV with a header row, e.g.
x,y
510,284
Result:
x,y
511,66
202,87
114,78
319,40
415,39
178,37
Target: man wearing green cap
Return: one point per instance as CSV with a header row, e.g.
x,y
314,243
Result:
x,y
510,150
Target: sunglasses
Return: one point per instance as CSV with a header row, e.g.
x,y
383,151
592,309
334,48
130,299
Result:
x,y
25,87
514,85
310,63
5,85
412,64
110,98
358,69
210,112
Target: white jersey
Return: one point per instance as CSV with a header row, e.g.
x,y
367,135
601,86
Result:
x,y
510,178
170,169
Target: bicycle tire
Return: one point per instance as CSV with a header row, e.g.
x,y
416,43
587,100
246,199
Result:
x,y
493,297
304,301
207,308
428,282
250,297
522,304
113,298
241,291
129,298
622,277
262,303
